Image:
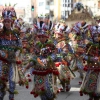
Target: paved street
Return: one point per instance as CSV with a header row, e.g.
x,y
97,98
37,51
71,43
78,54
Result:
x,y
24,94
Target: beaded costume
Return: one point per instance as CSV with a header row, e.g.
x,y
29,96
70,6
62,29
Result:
x,y
91,81
10,48
44,69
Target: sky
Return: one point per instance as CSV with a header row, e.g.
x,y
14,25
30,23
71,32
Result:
x,y
20,3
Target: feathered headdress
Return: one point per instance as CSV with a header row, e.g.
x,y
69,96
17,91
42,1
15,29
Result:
x,y
9,13
46,16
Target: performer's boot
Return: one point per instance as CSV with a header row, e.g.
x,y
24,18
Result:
x,y
1,98
11,99
90,98
11,89
68,88
96,98
11,85
64,87
2,93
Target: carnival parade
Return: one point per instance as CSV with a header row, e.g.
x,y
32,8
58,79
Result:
x,y
45,58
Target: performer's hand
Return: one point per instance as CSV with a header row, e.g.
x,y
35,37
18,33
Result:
x,y
24,70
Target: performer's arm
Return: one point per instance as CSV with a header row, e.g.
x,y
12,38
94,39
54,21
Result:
x,y
28,66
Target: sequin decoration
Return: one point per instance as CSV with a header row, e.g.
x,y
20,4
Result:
x,y
91,82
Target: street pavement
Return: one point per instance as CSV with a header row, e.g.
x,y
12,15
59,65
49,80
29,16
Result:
x,y
73,94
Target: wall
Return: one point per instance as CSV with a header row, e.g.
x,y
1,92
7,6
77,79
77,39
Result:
x,y
41,5
66,8
57,9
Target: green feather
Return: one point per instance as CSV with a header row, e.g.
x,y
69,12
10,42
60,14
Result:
x,y
16,92
9,4
14,5
5,5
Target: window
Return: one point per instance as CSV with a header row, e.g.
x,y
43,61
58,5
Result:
x,y
72,5
65,1
63,5
41,3
68,5
48,3
66,13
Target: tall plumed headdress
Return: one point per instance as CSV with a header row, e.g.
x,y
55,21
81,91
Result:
x,y
9,13
40,16
46,16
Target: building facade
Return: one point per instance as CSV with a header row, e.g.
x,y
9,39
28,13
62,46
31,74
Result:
x,y
93,6
43,7
66,8
57,9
